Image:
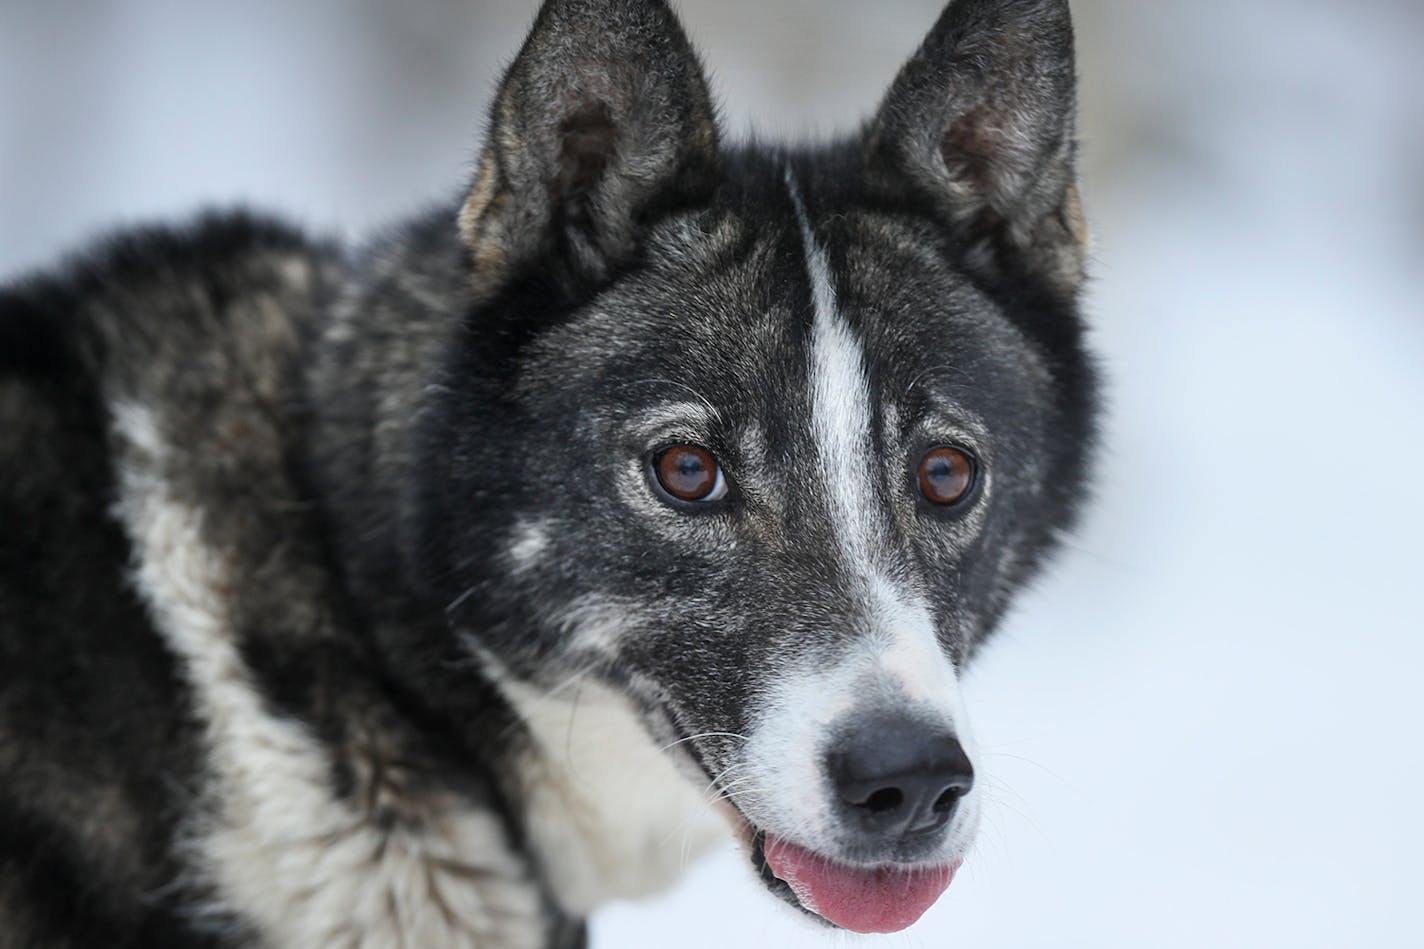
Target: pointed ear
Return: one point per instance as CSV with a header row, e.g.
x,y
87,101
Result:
x,y
602,121
981,123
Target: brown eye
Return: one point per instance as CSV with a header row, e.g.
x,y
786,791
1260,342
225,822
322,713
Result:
x,y
946,475
690,473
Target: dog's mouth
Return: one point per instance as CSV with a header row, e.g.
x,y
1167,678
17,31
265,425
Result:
x,y
884,898
880,899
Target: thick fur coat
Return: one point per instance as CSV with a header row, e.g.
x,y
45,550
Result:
x,y
348,597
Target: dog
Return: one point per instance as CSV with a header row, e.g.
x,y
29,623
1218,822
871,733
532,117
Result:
x,y
654,491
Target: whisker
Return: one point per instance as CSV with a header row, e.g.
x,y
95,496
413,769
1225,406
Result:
x,y
459,601
1029,761
673,744
732,792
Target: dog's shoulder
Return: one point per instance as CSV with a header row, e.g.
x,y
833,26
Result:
x,y
178,323
196,330
100,751
155,412
197,312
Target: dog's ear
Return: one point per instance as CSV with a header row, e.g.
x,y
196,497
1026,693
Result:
x,y
980,123
602,122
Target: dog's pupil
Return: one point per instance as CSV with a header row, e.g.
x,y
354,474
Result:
x,y
687,472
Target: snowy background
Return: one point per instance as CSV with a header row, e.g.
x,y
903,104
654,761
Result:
x,y
1205,725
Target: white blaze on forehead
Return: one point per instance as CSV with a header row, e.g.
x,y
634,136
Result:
x,y
840,407
895,660
901,631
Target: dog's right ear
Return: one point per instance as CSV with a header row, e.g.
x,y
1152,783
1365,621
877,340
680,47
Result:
x,y
980,122
602,122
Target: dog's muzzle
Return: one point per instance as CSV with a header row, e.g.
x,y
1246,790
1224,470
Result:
x,y
894,783
897,781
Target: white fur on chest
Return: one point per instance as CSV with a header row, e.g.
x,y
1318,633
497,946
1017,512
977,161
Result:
x,y
610,816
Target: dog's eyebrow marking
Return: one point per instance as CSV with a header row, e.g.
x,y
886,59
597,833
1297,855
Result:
x,y
655,418
840,403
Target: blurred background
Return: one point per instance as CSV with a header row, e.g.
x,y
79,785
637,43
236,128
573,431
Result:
x,y
1204,725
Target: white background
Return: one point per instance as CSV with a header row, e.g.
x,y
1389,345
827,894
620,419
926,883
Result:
x,y
1204,724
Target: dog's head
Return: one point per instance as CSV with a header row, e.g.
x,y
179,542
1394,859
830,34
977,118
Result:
x,y
768,438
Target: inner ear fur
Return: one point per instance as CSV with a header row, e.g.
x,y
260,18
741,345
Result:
x,y
981,123
602,121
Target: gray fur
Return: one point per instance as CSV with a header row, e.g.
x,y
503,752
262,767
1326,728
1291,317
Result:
x,y
315,550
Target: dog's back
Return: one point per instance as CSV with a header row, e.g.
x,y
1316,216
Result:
x,y
101,751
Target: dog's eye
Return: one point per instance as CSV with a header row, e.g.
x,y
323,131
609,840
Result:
x,y
946,475
690,473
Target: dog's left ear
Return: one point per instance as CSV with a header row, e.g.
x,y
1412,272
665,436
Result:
x,y
980,123
602,122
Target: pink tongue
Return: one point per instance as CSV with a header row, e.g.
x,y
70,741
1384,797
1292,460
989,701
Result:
x,y
882,900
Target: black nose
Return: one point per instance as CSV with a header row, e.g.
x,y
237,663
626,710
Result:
x,y
897,777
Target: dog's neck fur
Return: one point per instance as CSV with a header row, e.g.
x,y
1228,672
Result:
x,y
606,814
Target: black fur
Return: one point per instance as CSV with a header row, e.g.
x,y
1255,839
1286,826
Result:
x,y
362,436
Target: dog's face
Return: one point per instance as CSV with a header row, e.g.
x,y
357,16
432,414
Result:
x,y
785,430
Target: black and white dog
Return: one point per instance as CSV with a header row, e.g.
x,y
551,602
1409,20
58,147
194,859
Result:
x,y
436,593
